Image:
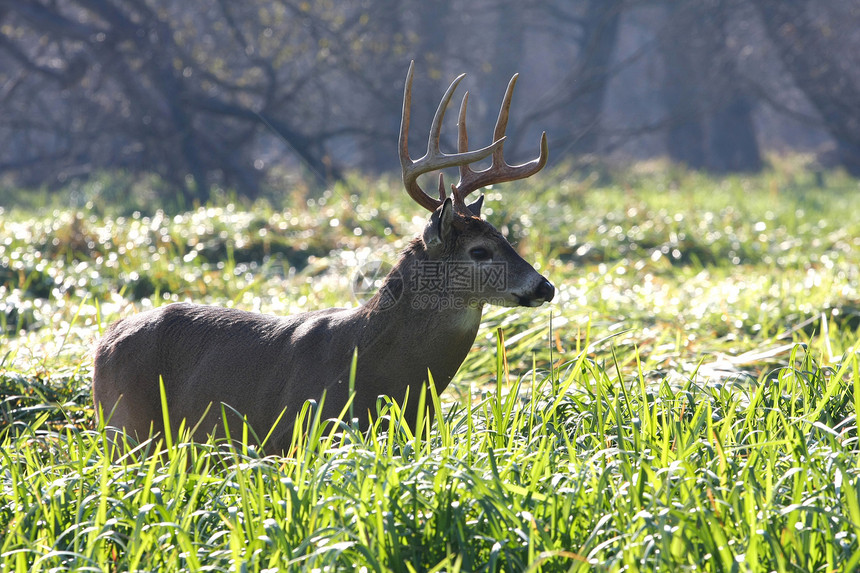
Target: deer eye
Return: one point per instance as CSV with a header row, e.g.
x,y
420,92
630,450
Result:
x,y
480,254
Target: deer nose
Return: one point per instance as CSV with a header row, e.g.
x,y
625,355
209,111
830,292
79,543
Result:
x,y
545,290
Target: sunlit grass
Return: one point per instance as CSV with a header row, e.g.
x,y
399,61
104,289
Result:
x,y
688,401
588,469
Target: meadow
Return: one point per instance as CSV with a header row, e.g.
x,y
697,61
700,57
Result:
x,y
686,403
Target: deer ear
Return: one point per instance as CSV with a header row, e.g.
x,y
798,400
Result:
x,y
438,230
475,208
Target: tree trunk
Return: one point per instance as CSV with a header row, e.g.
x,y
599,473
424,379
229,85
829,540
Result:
x,y
732,144
710,115
600,28
379,154
807,53
732,141
507,48
682,50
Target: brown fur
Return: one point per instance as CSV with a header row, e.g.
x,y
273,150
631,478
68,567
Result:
x,y
260,365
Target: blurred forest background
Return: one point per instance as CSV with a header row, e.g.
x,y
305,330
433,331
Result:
x,y
250,95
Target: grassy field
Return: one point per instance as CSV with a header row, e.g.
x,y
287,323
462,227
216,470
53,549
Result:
x,y
686,403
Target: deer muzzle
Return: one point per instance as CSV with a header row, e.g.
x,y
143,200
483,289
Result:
x,y
543,292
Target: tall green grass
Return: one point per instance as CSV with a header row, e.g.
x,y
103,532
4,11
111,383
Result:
x,y
561,470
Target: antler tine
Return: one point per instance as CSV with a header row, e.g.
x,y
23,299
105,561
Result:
x,y
504,111
410,179
436,126
442,195
462,135
434,159
499,171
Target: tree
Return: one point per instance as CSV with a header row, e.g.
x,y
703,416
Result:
x,y
810,52
589,31
216,93
165,87
709,113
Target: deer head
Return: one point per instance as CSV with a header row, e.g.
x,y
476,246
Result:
x,y
471,248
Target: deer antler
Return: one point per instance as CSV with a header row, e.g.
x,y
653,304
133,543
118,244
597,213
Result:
x,y
434,158
499,171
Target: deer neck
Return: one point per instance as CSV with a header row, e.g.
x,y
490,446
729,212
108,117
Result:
x,y
418,293
412,323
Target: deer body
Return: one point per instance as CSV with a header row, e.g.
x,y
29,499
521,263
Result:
x,y
266,367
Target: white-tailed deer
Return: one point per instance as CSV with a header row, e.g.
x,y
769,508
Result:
x,y
424,318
